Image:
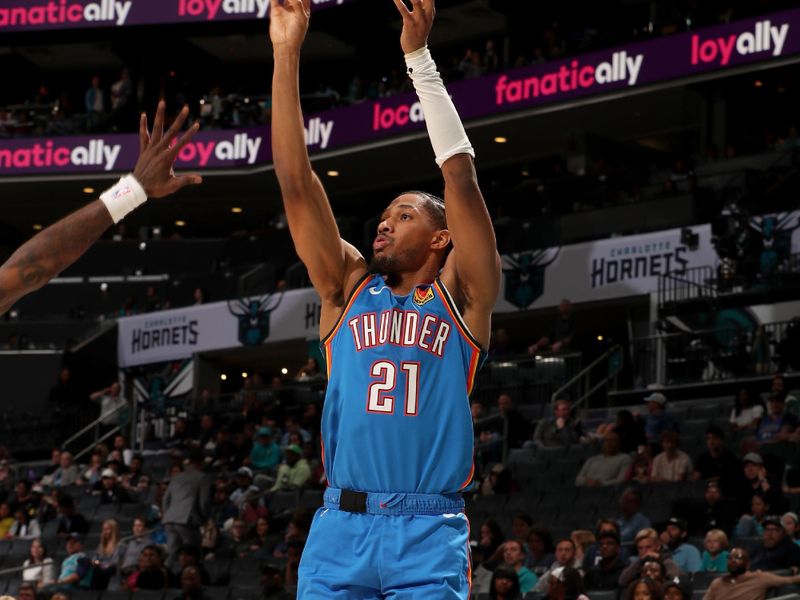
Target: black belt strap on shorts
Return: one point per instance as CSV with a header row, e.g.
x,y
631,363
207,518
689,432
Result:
x,y
351,501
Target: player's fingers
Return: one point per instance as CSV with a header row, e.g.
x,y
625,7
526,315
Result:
x,y
307,7
176,126
173,152
158,123
402,8
417,7
144,135
182,181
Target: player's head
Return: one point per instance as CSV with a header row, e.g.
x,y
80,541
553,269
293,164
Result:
x,y
412,231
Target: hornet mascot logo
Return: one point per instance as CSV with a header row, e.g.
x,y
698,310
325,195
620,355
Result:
x,y
254,317
524,275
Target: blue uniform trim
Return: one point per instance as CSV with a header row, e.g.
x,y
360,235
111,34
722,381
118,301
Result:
x,y
403,504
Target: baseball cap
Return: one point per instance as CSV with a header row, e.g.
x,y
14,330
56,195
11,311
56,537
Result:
x,y
773,520
244,472
263,431
296,449
656,397
753,457
108,473
74,536
679,523
682,584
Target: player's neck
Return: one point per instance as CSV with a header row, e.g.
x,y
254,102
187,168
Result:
x,y
402,284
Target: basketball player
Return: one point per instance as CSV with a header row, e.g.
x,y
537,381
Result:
x,y
52,250
402,346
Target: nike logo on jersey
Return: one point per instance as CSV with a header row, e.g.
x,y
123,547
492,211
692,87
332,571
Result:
x,y
375,291
400,328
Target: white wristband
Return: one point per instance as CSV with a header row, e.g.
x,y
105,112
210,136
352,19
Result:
x,y
445,129
123,197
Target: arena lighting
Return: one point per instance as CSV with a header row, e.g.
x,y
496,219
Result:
x,y
525,173
236,210
599,338
333,173
37,227
244,374
88,190
180,223
500,139
758,83
223,377
285,371
142,246
103,287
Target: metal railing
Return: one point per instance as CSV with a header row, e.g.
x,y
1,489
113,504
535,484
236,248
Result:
x,y
690,284
594,377
94,426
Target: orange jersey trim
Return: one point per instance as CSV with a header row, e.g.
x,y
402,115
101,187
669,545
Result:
x,y
358,289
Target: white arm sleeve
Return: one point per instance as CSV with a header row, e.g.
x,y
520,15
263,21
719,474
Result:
x,y
445,129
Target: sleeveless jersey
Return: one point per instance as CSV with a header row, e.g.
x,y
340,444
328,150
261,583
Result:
x,y
396,416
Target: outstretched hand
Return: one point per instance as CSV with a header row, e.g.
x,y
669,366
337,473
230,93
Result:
x,y
288,22
417,23
153,170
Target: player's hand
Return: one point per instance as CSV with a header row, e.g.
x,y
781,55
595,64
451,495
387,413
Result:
x,y
288,22
417,23
153,170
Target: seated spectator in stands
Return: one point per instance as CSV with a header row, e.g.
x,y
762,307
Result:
x,y
6,519
505,584
632,520
608,468
500,344
23,527
715,555
191,585
208,432
757,481
658,420
514,557
265,454
604,573
65,474
717,462
521,527
677,589
648,546
685,555
491,537
189,556
222,509
643,589
776,550
292,425
560,429
151,573
135,482
107,555
791,523
541,551
294,473
235,543
779,387
109,489
272,581
778,424
752,524
27,591
181,437
562,332
629,429
24,497
309,372
253,507
244,485
565,557
583,540
672,464
747,412
566,583
641,466
264,539
592,557
39,567
69,519
653,568
743,584
68,578
296,532
519,429
132,549
91,475
481,576
716,512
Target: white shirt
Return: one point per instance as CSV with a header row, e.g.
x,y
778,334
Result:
x,y
747,416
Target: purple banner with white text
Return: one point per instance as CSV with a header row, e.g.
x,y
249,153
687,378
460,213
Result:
x,y
31,15
714,49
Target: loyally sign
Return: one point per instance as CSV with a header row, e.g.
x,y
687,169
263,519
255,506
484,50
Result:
x,y
765,38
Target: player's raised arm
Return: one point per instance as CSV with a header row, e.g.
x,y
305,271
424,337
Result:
x,y
52,250
473,268
332,264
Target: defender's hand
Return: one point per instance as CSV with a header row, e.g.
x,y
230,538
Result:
x,y
417,23
288,22
153,170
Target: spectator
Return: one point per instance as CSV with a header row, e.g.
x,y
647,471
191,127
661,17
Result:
x,y
652,568
109,489
648,546
583,540
186,506
500,345
151,574
24,498
751,525
643,589
121,446
608,468
272,581
309,372
514,557
294,473
632,520
65,474
559,430
743,584
24,527
603,526
107,554
198,296
746,413
264,539
6,519
94,102
791,524
604,575
777,550
68,578
505,584
521,527
191,585
222,509
236,543
541,551
39,568
69,520
133,547
27,591
65,393
566,583
91,475
715,512
481,576
630,431
565,557
111,405
292,425
562,332
677,589
244,486
779,388
672,464
777,425
715,556
121,96
135,482
658,420
717,462
189,556
685,555
757,481
265,454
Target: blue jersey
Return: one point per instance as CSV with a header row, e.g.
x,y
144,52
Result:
x,y
396,415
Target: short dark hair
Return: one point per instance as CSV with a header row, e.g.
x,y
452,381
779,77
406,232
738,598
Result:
x,y
609,535
714,430
433,205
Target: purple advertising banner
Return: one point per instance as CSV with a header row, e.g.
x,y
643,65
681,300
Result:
x,y
31,15
625,68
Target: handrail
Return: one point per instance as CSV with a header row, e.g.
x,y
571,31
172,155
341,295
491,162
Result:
x,y
95,423
584,375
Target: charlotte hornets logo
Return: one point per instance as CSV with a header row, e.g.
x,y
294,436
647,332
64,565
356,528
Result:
x,y
524,276
254,317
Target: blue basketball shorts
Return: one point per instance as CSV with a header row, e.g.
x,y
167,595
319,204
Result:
x,y
393,547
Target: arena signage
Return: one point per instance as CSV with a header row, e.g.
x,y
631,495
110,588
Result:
x,y
32,15
714,49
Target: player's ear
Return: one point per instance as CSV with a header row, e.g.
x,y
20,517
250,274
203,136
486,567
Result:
x,y
441,239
